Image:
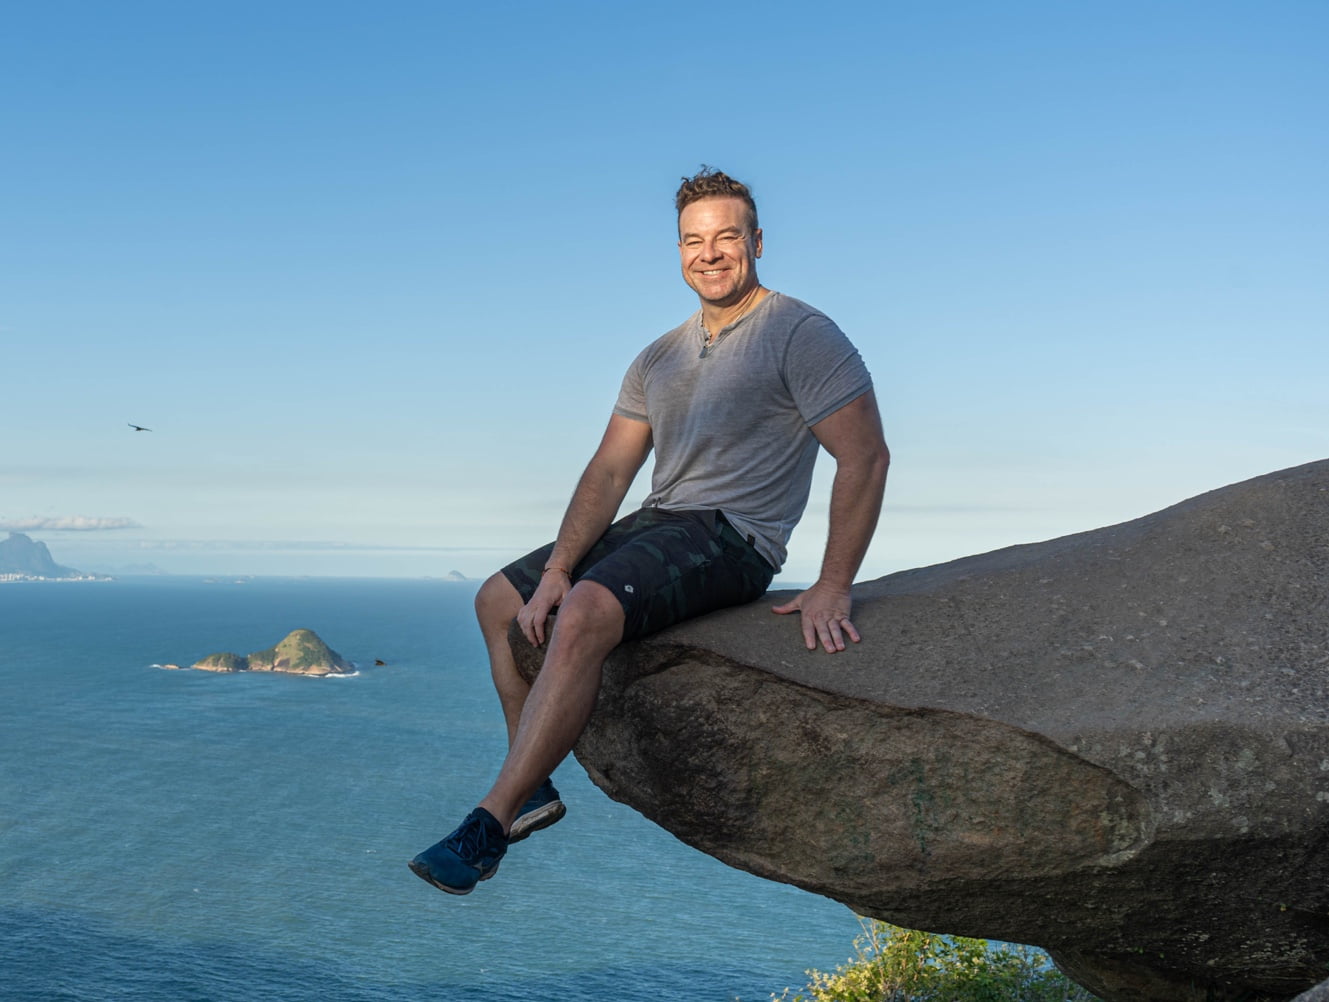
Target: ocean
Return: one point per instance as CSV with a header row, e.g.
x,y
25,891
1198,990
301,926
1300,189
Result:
x,y
183,835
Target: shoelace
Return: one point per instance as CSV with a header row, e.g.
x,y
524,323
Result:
x,y
471,840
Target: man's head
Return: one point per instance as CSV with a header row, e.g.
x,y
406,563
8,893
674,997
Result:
x,y
718,239
711,183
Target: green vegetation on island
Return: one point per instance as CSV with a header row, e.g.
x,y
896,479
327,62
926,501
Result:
x,y
225,661
301,652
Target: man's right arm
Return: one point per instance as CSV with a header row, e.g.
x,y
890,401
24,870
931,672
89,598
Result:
x,y
600,491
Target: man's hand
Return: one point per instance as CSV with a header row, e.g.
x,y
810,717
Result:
x,y
553,586
825,613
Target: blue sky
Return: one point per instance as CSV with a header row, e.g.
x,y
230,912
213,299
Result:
x,y
372,272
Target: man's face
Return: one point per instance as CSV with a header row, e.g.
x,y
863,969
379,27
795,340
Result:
x,y
718,250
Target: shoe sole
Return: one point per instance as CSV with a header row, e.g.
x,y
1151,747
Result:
x,y
533,821
422,871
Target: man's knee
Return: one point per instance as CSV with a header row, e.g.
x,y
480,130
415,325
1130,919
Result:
x,y
497,602
591,608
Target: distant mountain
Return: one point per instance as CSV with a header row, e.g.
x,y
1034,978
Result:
x,y
303,652
22,555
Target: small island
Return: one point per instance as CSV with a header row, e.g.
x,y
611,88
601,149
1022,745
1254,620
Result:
x,y
302,652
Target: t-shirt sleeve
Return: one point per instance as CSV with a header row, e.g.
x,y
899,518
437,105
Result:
x,y
823,369
632,394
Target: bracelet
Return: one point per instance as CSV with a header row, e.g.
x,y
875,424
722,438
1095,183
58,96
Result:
x,y
553,567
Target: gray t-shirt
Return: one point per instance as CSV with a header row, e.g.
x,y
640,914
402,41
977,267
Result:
x,y
730,424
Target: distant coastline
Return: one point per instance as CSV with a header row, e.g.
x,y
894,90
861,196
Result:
x,y
24,559
12,578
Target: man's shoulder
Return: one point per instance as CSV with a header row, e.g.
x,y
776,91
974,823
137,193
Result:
x,y
683,330
788,321
670,340
787,311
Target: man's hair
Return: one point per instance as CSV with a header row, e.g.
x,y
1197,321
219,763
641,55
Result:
x,y
711,183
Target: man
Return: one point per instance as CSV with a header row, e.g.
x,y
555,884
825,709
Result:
x,y
735,403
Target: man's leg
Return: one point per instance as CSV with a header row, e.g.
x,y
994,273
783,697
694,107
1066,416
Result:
x,y
669,567
587,613
559,704
496,606
555,711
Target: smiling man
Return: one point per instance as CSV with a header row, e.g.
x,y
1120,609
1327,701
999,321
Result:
x,y
736,403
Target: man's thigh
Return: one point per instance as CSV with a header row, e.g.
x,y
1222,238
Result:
x,y
663,567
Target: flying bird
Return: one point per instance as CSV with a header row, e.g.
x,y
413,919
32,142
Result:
x,y
138,427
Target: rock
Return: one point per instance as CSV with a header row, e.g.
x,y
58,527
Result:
x,y
223,662
1320,993
302,652
1114,746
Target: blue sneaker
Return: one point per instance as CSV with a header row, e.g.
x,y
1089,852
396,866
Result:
x,y
542,810
466,857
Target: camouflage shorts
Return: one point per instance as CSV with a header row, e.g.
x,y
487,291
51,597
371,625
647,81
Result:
x,y
663,567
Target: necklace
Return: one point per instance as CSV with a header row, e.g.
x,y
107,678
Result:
x,y
709,343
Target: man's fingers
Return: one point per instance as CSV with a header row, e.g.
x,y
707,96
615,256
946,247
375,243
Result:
x,y
832,631
532,623
809,633
823,624
831,639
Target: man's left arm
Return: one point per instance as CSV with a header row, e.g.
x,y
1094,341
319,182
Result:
x,y
853,436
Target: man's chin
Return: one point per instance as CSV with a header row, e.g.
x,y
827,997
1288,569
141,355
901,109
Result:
x,y
717,296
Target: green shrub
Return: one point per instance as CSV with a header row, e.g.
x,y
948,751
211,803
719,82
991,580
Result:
x,y
904,965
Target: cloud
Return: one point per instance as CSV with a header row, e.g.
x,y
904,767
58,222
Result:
x,y
67,523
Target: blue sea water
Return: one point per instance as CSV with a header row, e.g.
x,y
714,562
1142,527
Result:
x,y
183,835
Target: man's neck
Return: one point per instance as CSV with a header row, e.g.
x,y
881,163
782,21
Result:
x,y
717,318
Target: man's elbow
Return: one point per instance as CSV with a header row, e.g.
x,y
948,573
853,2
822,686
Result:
x,y
880,463
866,466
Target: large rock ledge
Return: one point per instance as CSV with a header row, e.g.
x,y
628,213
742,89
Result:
x,y
1112,745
